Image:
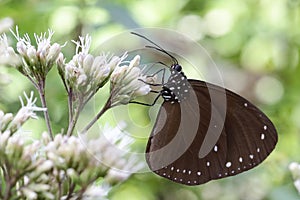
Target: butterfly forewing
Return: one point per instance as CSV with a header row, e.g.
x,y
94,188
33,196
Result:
x,y
232,141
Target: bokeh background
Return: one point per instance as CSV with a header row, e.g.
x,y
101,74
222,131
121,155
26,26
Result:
x,y
256,43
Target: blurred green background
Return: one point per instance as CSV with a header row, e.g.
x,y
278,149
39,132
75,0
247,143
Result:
x,y
256,42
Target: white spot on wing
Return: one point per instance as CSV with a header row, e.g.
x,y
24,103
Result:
x,y
265,127
251,156
240,159
207,164
215,148
262,136
228,164
245,104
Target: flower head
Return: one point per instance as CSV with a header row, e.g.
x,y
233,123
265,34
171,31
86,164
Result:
x,y
128,82
88,72
112,149
37,60
27,111
85,74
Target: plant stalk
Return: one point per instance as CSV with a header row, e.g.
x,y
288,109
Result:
x,y
101,112
41,90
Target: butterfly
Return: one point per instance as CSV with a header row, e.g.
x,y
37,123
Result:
x,y
204,132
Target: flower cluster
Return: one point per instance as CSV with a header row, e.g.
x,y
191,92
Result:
x,y
17,160
112,149
37,61
23,169
66,166
85,74
128,82
295,169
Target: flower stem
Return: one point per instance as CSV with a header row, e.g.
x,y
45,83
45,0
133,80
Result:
x,y
7,193
101,112
73,122
41,90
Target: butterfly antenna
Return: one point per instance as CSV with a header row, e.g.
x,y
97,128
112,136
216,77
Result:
x,y
157,47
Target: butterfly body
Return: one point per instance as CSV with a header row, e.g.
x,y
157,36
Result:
x,y
177,87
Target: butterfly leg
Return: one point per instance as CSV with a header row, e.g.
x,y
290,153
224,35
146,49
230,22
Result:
x,y
147,104
153,84
162,79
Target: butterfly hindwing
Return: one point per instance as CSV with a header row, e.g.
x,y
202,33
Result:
x,y
244,136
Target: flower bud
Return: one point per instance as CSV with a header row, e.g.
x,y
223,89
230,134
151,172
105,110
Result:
x,y
53,53
87,63
21,48
31,55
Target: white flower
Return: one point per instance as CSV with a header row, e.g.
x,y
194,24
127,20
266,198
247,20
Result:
x,y
27,111
128,82
37,59
7,54
29,193
112,149
295,169
5,119
85,71
96,192
6,24
85,74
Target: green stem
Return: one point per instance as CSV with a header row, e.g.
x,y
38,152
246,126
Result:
x,y
41,89
70,104
73,122
7,193
71,190
95,119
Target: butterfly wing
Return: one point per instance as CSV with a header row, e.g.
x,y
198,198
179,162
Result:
x,y
213,134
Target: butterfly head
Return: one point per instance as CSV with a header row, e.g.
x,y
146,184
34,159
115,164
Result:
x,y
176,67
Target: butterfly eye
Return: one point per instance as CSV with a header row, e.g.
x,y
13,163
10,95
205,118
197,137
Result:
x,y
176,67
